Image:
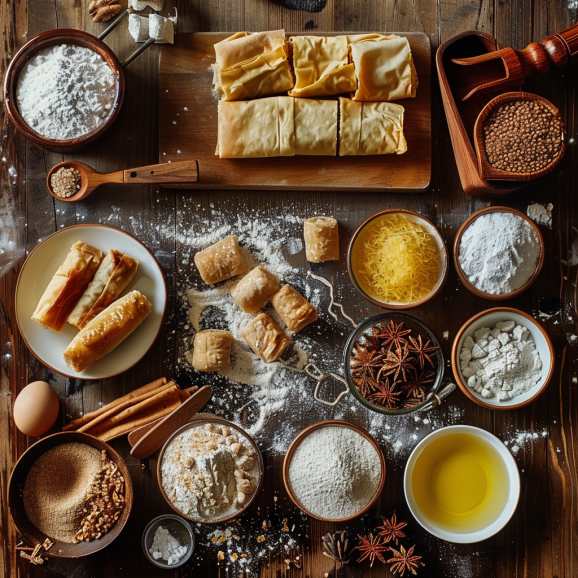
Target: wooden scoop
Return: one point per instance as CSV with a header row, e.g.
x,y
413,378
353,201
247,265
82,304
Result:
x,y
507,69
166,173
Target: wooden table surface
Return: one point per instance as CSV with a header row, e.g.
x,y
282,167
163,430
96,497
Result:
x,y
541,537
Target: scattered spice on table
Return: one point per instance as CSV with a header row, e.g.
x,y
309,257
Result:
x,y
404,560
391,529
66,182
371,548
339,547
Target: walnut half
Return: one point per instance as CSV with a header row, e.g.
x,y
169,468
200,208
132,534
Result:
x,y
103,10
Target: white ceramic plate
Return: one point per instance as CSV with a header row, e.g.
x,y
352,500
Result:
x,y
38,270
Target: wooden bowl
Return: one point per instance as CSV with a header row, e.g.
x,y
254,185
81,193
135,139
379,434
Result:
x,y
460,271
201,422
487,171
30,49
295,444
544,346
443,255
29,532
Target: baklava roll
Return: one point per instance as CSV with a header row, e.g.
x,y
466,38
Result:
x,y
67,286
107,330
315,127
220,261
212,350
293,308
265,337
254,289
112,277
321,239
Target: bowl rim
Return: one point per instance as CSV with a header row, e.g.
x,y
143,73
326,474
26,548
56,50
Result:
x,y
455,361
509,461
399,306
456,250
332,423
199,422
190,549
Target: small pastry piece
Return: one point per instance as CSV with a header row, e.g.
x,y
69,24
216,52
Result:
x,y
113,275
220,261
383,66
265,337
293,308
212,350
315,127
321,66
67,286
321,239
254,289
107,330
371,128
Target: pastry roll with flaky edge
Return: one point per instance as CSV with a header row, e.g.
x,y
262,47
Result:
x,y
321,239
383,66
220,261
315,127
212,350
293,308
254,289
371,128
321,66
111,278
67,286
265,337
252,65
107,330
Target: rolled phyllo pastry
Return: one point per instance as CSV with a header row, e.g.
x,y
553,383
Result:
x,y
321,239
111,278
295,311
252,65
220,261
371,128
321,66
107,330
315,127
67,286
254,289
383,66
265,337
212,350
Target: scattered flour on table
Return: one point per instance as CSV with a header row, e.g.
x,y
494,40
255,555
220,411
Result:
x,y
541,214
516,440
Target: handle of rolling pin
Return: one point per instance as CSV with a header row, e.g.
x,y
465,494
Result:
x,y
562,48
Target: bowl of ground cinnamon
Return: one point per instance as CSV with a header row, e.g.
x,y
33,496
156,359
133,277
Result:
x,y
73,489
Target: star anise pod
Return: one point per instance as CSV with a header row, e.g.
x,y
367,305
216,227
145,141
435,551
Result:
x,y
371,548
365,362
403,561
416,386
385,395
422,350
391,529
395,363
393,336
338,547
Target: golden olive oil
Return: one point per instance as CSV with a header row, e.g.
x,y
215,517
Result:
x,y
460,483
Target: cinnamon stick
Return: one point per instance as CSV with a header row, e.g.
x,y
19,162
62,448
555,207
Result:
x,y
148,402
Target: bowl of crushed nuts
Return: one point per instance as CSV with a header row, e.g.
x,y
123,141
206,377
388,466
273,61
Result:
x,y
210,471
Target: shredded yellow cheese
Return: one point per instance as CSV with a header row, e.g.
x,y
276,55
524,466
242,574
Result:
x,y
399,261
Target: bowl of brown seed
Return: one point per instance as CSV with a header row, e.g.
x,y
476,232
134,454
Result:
x,y
519,136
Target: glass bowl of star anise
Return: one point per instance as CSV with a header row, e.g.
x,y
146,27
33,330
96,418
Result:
x,y
394,364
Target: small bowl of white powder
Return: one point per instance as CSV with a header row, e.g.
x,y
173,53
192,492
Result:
x,y
498,253
334,471
168,541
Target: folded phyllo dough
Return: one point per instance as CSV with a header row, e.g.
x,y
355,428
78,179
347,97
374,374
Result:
x,y
220,261
265,337
321,66
254,289
67,286
212,350
252,65
315,127
111,278
383,66
370,128
321,236
107,330
295,311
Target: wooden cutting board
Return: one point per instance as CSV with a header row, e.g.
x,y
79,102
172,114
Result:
x,y
188,131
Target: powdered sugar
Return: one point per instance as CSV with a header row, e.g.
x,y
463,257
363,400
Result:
x,y
516,440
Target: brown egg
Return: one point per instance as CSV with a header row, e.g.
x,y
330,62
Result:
x,y
36,409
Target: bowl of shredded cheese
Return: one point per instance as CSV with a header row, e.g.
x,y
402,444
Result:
x,y
397,259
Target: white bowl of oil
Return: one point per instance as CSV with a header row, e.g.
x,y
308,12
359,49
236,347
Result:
x,y
462,484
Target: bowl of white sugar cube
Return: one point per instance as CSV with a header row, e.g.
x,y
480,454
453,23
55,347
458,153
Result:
x,y
168,541
502,358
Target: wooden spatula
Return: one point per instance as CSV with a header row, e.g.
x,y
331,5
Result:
x,y
162,429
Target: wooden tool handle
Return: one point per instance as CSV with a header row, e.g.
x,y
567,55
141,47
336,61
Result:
x,y
562,48
181,172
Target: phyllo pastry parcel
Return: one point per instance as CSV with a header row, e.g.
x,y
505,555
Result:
x,y
252,65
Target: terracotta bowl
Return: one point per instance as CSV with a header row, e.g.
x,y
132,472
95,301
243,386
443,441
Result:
x,y
443,255
544,346
297,441
460,271
201,422
31,535
491,173
30,49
